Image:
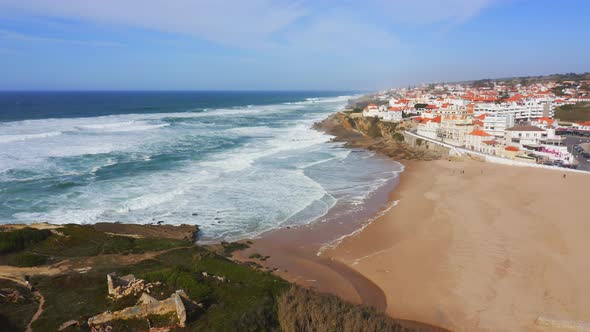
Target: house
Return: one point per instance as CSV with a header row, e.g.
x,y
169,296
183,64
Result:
x,y
371,110
393,114
523,136
454,129
481,141
429,127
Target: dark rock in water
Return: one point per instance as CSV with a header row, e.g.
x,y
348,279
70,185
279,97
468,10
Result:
x,y
195,214
216,218
288,227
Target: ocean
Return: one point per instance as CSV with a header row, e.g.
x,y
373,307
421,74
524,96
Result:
x,y
235,163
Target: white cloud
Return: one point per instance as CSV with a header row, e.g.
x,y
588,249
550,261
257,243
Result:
x,y
340,33
249,23
238,23
16,36
432,11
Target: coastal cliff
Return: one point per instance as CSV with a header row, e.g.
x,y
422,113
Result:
x,y
388,138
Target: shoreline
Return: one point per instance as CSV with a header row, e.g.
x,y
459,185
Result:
x,y
297,253
471,246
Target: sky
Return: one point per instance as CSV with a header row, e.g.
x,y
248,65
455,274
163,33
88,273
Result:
x,y
284,45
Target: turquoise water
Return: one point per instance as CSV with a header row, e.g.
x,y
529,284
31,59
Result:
x,y
235,163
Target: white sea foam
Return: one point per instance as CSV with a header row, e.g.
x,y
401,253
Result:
x,y
123,126
24,137
232,180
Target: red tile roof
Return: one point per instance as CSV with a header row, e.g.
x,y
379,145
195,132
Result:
x,y
479,133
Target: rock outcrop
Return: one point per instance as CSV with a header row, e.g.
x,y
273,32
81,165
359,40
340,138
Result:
x,y
388,138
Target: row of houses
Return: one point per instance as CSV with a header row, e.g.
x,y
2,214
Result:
x,y
512,123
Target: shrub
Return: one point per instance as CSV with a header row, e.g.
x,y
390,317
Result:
x,y
29,259
181,278
305,310
398,137
22,238
230,247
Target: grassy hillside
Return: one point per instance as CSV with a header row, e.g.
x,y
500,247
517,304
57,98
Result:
x,y
579,112
72,279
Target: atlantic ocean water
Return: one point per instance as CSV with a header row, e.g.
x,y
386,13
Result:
x,y
235,163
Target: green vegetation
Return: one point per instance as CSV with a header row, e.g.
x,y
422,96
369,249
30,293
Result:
x,y
20,239
233,297
28,259
258,256
14,316
230,247
485,83
374,131
180,277
398,137
82,240
304,310
579,112
527,80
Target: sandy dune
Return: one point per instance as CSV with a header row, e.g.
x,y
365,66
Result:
x,y
487,250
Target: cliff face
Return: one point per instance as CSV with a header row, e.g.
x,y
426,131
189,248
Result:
x,y
385,137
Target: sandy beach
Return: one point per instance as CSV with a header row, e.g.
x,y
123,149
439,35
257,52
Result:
x,y
489,250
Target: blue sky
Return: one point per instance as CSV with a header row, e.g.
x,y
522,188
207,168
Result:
x,y
281,45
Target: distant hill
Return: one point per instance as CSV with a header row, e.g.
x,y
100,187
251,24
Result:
x,y
527,80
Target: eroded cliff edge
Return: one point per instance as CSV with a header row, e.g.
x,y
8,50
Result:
x,y
389,138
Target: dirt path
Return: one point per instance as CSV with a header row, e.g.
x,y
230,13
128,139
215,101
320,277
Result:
x,y
35,293
39,310
18,274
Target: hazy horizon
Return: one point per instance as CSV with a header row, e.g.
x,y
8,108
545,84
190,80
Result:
x,y
277,45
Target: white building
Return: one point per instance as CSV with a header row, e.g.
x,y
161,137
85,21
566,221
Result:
x,y
393,114
371,111
522,136
480,141
429,127
523,110
495,123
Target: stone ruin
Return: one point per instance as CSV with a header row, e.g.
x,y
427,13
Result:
x,y
147,305
119,287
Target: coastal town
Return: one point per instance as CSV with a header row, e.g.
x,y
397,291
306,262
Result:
x,y
515,121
